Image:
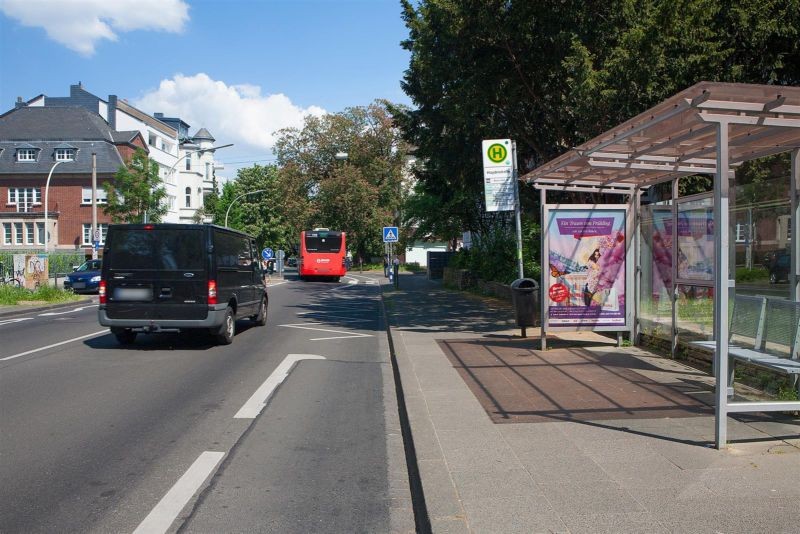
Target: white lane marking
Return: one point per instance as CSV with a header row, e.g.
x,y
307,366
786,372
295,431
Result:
x,y
302,326
48,314
163,515
53,345
258,400
12,321
277,283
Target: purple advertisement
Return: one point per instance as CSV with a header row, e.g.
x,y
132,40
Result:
x,y
586,276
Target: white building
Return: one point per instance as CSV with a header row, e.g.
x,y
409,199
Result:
x,y
186,176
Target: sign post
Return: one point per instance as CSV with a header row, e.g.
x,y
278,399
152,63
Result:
x,y
500,183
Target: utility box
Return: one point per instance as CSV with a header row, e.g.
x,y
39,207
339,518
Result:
x,y
525,296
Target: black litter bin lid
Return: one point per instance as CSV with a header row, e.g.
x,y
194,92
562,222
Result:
x,y
525,284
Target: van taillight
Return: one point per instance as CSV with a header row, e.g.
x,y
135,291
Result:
x,y
212,292
101,291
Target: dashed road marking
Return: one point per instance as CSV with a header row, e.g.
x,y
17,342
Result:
x,y
53,345
48,314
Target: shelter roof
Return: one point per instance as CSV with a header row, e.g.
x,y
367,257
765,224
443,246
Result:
x,y
678,137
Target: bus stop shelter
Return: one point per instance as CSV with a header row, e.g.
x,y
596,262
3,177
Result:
x,y
708,129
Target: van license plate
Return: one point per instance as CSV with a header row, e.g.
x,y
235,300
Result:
x,y
78,285
135,294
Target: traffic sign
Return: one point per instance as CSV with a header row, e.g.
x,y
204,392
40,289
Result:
x,y
267,253
390,234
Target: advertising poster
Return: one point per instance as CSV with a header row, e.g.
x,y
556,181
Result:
x,y
586,274
696,244
662,253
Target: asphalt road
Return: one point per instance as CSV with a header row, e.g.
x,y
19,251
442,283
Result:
x,y
172,432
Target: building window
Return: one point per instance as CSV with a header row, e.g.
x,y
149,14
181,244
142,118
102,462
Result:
x,y
208,171
65,154
102,196
7,233
152,139
171,202
24,198
40,233
189,162
18,233
188,197
26,154
29,233
87,233
742,233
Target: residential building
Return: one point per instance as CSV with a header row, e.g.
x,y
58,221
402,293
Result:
x,y
33,140
168,141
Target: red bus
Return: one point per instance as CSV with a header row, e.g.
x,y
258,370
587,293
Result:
x,y
322,254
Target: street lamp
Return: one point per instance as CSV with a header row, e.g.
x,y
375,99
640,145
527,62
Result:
x,y
46,203
237,198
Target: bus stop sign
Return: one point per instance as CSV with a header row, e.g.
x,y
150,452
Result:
x,y
267,254
390,234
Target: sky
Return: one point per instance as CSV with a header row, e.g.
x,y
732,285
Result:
x,y
243,69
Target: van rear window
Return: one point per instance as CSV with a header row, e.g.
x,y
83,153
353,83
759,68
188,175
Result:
x,y
157,249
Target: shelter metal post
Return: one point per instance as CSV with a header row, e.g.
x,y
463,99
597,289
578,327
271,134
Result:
x,y
721,284
544,266
794,273
637,264
673,290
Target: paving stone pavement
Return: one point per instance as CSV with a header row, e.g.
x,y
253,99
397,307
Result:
x,y
586,437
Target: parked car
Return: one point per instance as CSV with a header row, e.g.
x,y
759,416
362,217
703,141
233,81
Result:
x,y
179,277
291,262
85,278
778,266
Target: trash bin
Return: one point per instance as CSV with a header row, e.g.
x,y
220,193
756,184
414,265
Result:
x,y
525,296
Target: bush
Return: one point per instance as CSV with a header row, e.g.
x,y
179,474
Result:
x,y
751,275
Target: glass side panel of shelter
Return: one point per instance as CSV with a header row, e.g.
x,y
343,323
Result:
x,y
677,250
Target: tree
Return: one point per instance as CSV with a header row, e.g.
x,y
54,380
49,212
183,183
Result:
x,y
358,195
553,74
136,192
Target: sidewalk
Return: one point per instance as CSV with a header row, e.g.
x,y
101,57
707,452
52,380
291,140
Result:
x,y
585,437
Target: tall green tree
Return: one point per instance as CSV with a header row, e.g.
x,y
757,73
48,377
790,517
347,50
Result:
x,y
357,195
136,192
552,74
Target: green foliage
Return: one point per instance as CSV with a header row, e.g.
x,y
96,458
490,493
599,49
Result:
x,y
413,267
744,274
552,75
358,195
136,192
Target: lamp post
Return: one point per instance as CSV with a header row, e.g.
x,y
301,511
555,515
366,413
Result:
x,y
237,198
46,203
181,158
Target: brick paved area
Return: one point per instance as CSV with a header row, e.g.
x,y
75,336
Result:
x,y
517,384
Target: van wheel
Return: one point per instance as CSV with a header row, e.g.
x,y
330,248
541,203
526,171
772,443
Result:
x,y
124,336
260,319
228,328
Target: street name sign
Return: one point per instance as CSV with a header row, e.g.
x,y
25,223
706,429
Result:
x,y
390,234
498,174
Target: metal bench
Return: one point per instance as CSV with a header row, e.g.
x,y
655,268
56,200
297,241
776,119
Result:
x,y
764,332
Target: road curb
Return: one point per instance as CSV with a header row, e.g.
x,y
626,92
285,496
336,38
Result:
x,y
21,309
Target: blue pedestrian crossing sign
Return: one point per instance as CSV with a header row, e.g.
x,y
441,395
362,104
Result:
x,y
267,253
390,234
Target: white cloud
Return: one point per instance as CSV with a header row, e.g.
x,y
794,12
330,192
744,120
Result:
x,y
232,113
79,24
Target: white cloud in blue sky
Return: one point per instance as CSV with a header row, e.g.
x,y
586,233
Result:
x,y
80,24
237,114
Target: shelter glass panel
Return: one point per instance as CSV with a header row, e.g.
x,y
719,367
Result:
x,y
694,311
655,307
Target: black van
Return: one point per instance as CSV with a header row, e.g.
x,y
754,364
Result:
x,y
174,277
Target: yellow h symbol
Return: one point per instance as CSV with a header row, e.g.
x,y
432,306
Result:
x,y
497,153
